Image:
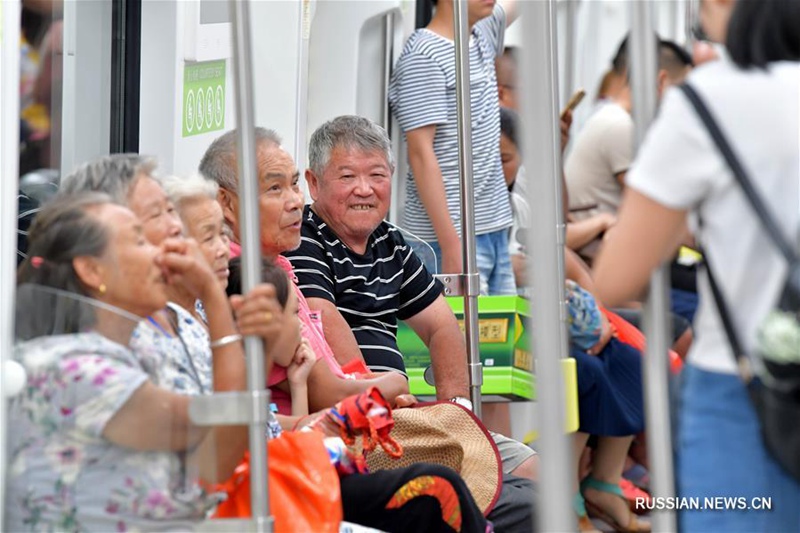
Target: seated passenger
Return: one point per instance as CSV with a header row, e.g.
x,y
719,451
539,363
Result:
x,y
95,444
579,233
358,272
280,204
196,201
603,150
180,332
290,350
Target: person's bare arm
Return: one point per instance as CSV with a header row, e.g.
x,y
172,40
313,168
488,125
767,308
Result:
x,y
518,262
620,177
511,9
337,331
437,327
578,271
646,235
325,389
430,185
582,232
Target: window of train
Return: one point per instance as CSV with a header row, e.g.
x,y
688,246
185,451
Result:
x,y
65,81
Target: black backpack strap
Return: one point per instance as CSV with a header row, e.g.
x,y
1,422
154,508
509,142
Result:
x,y
725,316
739,173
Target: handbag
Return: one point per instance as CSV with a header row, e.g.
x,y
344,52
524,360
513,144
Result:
x,y
304,493
775,392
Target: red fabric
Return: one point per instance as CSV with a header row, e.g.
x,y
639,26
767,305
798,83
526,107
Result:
x,y
435,487
629,334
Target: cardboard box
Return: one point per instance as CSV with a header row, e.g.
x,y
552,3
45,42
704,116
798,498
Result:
x,y
507,362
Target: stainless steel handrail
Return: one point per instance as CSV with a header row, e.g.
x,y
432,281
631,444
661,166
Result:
x,y
251,254
644,70
541,144
9,163
471,284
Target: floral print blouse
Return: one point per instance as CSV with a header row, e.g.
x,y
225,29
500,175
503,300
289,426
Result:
x,y
63,474
181,364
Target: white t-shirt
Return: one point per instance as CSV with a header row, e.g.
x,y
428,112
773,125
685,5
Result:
x,y
603,149
680,167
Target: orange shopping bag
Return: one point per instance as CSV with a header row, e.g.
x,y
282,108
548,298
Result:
x,y
304,492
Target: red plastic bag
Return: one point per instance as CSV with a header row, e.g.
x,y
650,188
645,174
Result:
x,y
629,334
304,493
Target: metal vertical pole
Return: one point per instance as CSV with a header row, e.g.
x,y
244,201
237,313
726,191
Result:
x,y
569,50
656,368
251,256
388,56
471,285
689,18
541,144
9,163
301,112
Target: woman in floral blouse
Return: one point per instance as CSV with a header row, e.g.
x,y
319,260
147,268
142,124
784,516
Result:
x,y
94,444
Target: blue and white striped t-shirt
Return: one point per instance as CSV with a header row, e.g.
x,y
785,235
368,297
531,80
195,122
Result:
x,y
423,92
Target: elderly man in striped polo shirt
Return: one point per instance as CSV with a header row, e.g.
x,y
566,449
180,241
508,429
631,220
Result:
x,y
357,270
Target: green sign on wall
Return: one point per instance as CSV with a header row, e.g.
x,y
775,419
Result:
x,y
203,97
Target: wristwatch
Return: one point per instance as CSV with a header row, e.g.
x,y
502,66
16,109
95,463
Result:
x,y
463,402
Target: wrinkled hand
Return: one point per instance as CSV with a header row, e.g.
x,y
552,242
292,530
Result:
x,y
302,363
185,267
405,400
259,313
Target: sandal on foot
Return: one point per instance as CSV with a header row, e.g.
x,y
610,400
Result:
x,y
638,500
585,525
633,525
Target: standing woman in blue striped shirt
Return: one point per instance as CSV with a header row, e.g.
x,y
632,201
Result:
x,y
422,96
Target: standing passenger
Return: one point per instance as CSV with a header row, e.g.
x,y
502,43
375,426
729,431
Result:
x,y
422,95
753,93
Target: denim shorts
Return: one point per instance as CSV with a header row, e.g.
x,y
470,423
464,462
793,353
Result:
x,y
720,454
494,262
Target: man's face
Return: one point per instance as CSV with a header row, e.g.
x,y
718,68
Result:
x,y
352,195
280,202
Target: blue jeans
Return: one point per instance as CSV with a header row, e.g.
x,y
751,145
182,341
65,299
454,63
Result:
x,y
721,454
494,263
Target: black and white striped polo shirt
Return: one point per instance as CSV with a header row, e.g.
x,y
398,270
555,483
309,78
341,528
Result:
x,y
371,291
423,92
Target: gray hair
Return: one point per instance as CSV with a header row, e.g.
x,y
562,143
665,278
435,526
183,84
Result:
x,y
185,190
220,162
112,174
349,131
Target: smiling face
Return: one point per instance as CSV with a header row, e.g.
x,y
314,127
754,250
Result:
x,y
352,195
128,270
158,216
204,223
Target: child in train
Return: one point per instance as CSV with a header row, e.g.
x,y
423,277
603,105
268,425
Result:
x,y
290,349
